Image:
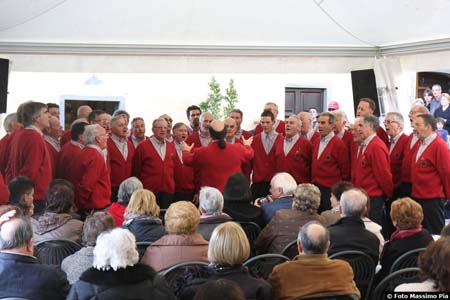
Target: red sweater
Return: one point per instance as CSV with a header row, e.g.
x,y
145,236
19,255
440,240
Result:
x,y
29,157
184,177
117,211
4,145
93,186
215,165
280,128
120,168
332,166
315,137
381,133
194,138
4,192
431,177
297,162
264,165
65,138
66,160
157,175
396,158
407,159
372,170
348,140
246,134
54,154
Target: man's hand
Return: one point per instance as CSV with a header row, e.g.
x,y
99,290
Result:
x,y
247,142
186,147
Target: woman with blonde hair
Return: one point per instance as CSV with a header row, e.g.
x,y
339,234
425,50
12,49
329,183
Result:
x,y
142,217
182,242
228,249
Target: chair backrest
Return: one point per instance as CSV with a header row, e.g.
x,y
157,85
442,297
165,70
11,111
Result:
x,y
390,282
406,260
332,297
53,251
252,231
14,298
180,274
363,269
262,265
141,247
162,214
291,250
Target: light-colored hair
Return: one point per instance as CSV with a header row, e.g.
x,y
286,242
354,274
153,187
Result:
x,y
285,181
228,245
314,238
116,118
406,213
206,113
90,133
182,217
94,225
341,113
297,120
331,117
127,188
353,203
143,202
371,120
17,233
398,117
211,200
157,120
115,250
273,104
9,121
307,198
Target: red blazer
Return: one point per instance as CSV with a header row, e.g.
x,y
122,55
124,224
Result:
x,y
246,134
4,145
215,165
381,133
120,168
280,128
431,172
65,138
29,157
396,158
372,171
157,175
4,192
333,165
54,154
407,159
348,140
297,162
184,177
264,165
93,186
194,138
66,160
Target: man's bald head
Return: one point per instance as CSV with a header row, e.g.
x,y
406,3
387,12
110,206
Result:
x,y
15,233
84,111
217,125
313,238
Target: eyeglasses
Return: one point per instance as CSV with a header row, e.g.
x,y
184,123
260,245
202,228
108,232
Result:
x,y
168,120
161,127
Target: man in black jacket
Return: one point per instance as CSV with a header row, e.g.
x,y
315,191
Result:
x,y
349,233
21,273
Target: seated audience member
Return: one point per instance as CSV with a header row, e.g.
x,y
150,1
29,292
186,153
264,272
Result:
x,y
21,273
211,209
312,273
116,273
182,242
283,227
407,216
228,250
221,289
21,190
349,233
8,211
282,187
142,217
57,221
329,217
440,123
74,265
126,189
238,200
434,266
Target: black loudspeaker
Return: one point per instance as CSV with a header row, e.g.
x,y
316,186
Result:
x,y
4,73
364,86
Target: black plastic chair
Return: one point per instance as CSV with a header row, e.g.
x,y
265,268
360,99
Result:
x,y
332,297
291,250
262,265
53,251
178,275
252,231
390,282
363,269
14,298
162,214
406,260
141,247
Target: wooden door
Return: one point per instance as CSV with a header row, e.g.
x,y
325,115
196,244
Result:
x,y
302,99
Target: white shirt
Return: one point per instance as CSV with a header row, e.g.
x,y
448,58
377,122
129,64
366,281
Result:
x,y
159,146
268,140
424,144
309,134
81,146
393,141
366,142
179,150
204,140
324,142
100,150
289,143
55,143
32,127
122,145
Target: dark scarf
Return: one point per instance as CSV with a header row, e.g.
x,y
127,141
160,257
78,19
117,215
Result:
x,y
401,234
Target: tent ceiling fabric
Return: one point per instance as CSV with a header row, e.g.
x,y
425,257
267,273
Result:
x,y
284,23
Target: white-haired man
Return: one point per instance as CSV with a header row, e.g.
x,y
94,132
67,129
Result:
x,y
340,131
93,185
350,233
11,125
211,209
282,187
202,138
299,278
307,130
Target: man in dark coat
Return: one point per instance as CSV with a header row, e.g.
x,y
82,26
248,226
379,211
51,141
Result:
x,y
21,273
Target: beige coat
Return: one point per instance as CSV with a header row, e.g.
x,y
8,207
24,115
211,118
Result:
x,y
56,226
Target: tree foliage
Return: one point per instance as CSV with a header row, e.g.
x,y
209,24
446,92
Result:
x,y
214,104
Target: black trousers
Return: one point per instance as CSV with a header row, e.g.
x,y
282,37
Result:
x,y
184,196
260,189
39,207
114,192
164,199
376,210
433,214
325,195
